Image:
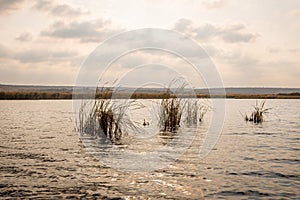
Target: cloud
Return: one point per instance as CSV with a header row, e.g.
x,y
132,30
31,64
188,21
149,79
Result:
x,y
65,10
4,52
13,73
232,33
24,37
278,50
6,6
86,31
144,66
211,50
213,4
42,55
37,55
274,50
43,5
238,58
237,33
58,9
183,24
205,32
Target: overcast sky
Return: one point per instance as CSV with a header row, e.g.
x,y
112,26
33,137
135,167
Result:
x,y
251,42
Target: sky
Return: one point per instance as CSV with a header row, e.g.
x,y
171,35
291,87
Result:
x,y
252,43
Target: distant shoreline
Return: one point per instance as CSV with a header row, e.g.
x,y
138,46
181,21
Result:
x,y
68,95
39,92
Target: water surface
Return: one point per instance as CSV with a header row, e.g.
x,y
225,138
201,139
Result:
x,y
42,156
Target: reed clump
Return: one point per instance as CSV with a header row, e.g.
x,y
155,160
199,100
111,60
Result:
x,y
257,115
109,120
104,118
170,114
177,111
194,112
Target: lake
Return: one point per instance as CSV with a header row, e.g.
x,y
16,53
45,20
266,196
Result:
x,y
42,157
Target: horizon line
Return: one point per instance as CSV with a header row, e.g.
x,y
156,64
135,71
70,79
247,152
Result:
x,y
240,87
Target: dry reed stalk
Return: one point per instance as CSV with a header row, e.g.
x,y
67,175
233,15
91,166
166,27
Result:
x,y
194,112
257,116
170,114
105,118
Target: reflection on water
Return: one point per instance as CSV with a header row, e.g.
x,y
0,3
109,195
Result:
x,y
41,156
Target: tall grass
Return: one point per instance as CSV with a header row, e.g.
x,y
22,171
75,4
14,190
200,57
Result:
x,y
194,112
176,109
106,119
175,112
170,114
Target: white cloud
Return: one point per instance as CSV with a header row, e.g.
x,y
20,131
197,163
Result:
x,y
232,33
56,9
155,66
65,10
4,52
25,37
182,25
84,31
43,5
13,73
38,55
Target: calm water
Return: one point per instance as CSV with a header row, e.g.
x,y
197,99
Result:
x,y
41,157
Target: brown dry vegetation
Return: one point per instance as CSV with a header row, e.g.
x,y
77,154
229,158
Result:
x,y
170,114
257,115
105,119
34,95
6,95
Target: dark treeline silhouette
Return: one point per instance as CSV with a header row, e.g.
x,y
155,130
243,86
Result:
x,y
290,94
34,95
24,95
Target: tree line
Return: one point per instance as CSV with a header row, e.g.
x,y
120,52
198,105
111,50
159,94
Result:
x,y
23,95
34,95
